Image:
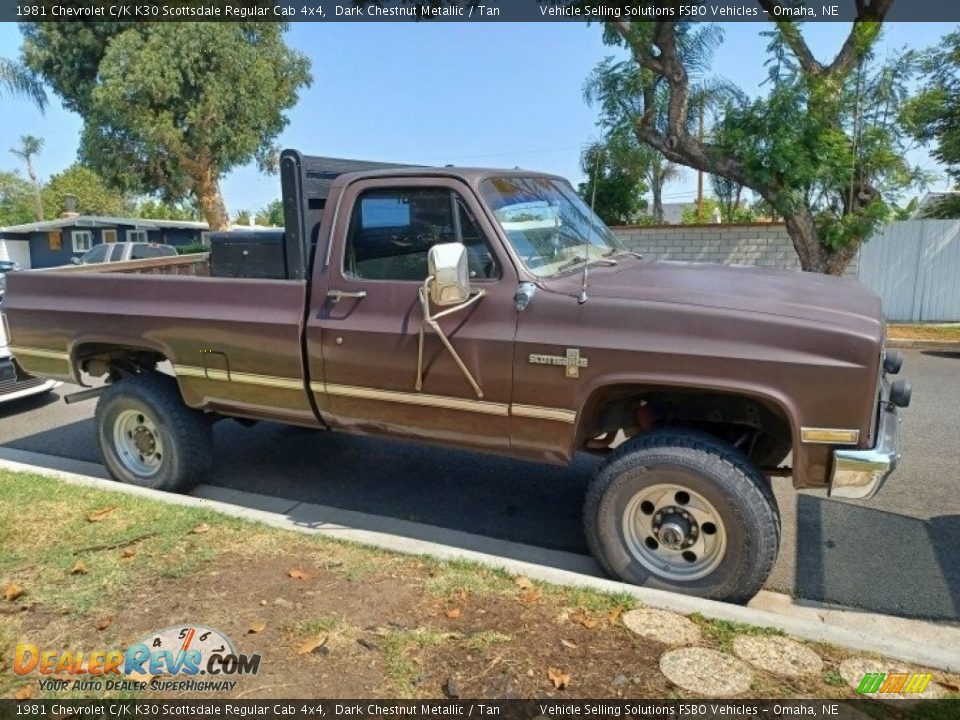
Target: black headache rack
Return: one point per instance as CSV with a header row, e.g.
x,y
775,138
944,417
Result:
x,y
285,254
306,181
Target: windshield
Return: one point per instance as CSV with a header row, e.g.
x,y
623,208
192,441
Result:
x,y
549,226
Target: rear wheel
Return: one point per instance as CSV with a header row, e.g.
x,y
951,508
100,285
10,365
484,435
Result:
x,y
148,437
683,511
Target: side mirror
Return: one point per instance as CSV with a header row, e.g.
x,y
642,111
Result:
x,y
75,260
447,264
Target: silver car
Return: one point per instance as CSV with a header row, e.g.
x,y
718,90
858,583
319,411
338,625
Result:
x,y
116,252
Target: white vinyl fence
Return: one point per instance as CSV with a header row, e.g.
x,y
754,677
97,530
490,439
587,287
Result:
x,y
914,266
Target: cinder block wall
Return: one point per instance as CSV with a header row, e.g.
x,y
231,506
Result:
x,y
764,245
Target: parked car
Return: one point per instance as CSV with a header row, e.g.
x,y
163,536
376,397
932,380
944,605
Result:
x,y
493,310
5,267
14,382
115,252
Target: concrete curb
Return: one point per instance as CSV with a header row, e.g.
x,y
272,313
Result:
x,y
935,345
301,517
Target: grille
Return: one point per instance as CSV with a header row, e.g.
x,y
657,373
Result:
x,y
18,384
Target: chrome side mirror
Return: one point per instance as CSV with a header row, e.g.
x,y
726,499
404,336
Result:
x,y
447,264
75,260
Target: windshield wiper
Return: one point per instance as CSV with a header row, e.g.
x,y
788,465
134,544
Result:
x,y
580,259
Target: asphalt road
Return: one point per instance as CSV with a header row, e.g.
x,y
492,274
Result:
x,y
895,554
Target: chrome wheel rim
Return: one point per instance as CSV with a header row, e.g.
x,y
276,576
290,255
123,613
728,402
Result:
x,y
674,532
137,442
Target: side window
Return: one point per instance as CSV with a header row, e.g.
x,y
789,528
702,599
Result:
x,y
392,230
98,254
140,252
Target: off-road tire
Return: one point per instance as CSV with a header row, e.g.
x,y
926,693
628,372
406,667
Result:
x,y
720,473
185,433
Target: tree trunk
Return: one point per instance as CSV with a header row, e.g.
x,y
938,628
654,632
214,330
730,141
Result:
x,y
207,189
656,189
37,197
814,256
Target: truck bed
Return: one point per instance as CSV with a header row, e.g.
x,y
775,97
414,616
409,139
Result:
x,y
171,309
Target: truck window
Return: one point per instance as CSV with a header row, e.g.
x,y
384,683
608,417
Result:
x,y
140,252
391,231
98,254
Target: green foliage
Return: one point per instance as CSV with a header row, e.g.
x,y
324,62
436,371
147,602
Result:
x,y
835,148
191,248
151,209
272,214
93,195
933,115
169,108
615,183
946,207
729,213
17,79
16,200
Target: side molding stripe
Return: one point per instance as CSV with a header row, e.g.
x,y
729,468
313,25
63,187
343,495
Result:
x,y
40,352
362,393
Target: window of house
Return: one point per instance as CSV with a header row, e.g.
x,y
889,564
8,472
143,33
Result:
x,y
82,240
53,240
392,230
137,236
109,235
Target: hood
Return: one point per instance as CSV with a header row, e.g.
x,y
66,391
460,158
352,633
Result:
x,y
803,296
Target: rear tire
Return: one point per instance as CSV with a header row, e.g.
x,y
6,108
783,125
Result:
x,y
149,438
680,510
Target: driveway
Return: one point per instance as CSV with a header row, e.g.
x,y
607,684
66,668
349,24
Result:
x,y
894,554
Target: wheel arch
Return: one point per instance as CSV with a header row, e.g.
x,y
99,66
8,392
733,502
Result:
x,y
607,402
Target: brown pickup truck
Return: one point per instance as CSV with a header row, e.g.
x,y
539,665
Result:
x,y
489,310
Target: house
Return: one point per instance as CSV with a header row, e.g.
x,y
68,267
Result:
x,y
50,243
930,201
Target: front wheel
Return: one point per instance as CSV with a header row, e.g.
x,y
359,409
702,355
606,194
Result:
x,y
682,511
148,437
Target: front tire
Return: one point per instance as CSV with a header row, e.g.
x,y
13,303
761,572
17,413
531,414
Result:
x,y
148,437
680,510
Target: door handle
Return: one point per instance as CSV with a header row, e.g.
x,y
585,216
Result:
x,y
336,296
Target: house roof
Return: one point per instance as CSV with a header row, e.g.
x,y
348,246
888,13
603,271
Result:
x,y
929,200
96,221
102,221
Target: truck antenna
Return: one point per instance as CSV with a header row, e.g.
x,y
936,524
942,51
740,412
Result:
x,y
582,298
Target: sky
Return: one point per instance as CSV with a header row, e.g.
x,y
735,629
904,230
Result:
x,y
492,94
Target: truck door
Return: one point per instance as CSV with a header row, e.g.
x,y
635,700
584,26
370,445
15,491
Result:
x,y
363,329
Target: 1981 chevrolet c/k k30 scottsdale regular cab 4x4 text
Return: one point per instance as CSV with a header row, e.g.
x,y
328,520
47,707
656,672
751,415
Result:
x,y
490,310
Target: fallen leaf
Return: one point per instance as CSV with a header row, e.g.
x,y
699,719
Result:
x,y
200,529
312,645
584,619
105,622
463,595
12,592
128,553
949,687
453,613
568,644
256,627
100,514
79,568
614,615
531,596
559,678
523,582
297,574
24,693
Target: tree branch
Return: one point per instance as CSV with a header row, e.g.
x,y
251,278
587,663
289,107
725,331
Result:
x,y
868,11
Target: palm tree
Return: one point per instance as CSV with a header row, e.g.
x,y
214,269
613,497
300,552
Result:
x,y
17,79
30,146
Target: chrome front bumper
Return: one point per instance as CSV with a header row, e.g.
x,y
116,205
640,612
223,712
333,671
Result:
x,y
860,474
